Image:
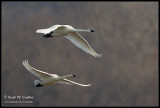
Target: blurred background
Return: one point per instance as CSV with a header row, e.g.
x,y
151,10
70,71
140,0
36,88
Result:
x,y
126,33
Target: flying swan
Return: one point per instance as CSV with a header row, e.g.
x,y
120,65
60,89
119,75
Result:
x,y
70,33
48,79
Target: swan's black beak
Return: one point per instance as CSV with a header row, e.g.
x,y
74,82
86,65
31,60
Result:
x,y
92,30
74,75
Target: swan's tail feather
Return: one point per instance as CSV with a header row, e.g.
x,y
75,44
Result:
x,y
44,31
39,31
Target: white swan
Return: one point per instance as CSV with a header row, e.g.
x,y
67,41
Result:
x,y
70,33
48,79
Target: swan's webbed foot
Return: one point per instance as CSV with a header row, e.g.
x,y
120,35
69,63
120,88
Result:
x,y
39,85
48,35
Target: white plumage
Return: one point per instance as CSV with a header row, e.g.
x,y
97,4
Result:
x,y
48,79
70,33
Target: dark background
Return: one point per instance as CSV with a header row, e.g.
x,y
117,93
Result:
x,y
126,33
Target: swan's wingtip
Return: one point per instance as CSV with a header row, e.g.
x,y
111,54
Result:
x,y
89,84
98,55
24,61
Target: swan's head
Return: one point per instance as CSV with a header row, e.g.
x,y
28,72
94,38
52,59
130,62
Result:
x,y
73,75
92,30
37,83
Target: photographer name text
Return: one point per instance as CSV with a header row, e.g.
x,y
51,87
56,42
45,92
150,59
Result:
x,y
18,97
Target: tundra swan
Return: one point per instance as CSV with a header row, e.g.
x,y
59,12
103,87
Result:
x,y
71,34
48,79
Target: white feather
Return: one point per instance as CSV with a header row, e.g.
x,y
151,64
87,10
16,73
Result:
x,y
70,33
48,30
34,71
46,78
72,82
81,43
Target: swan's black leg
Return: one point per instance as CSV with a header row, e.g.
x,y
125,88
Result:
x,y
47,36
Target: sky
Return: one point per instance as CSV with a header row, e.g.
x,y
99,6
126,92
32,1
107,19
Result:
x,y
126,34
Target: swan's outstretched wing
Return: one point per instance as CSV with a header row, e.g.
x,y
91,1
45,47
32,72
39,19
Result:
x,y
34,71
66,81
80,42
48,30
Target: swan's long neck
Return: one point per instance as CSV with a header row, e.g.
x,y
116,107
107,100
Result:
x,y
81,30
67,76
